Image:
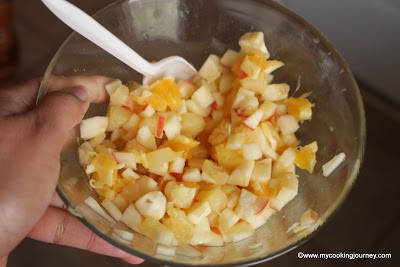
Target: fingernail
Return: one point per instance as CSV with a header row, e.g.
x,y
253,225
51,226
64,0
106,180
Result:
x,y
80,93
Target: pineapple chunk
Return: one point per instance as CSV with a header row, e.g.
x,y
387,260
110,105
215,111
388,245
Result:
x,y
179,223
179,194
229,58
192,124
242,174
253,42
199,211
137,188
211,69
276,92
157,232
216,197
117,117
120,96
218,174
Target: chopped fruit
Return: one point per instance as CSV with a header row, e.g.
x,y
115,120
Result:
x,y
92,127
181,143
253,121
331,165
173,127
287,124
146,139
229,58
211,69
192,175
132,217
179,223
177,166
117,117
161,126
300,108
203,97
192,124
186,88
179,194
112,86
216,197
199,211
120,96
262,171
253,42
305,157
203,161
242,174
275,92
217,173
228,218
152,205
252,151
138,188
157,232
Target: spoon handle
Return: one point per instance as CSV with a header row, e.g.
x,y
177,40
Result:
x,y
85,25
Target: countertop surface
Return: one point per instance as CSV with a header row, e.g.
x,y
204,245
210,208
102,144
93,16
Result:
x,y
368,222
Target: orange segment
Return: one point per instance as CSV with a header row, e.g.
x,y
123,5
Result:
x,y
180,143
164,93
305,157
259,59
300,108
227,158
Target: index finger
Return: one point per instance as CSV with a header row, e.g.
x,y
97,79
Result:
x,y
94,85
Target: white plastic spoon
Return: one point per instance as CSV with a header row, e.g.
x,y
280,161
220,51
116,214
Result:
x,y
85,25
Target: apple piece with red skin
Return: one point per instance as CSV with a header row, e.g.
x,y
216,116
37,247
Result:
x,y
253,121
216,230
160,126
129,104
260,204
92,127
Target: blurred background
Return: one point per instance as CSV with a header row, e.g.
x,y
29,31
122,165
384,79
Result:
x,y
366,32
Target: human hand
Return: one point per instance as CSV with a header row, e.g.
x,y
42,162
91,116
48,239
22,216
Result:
x,y
31,139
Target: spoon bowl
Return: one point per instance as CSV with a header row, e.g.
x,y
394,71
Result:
x,y
89,28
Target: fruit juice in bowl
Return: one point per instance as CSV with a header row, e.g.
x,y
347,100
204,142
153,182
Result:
x,y
225,168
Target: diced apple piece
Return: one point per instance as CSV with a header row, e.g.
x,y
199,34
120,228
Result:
x,y
244,207
179,194
138,188
192,124
284,196
242,174
110,87
120,96
289,139
157,232
132,123
256,85
176,166
308,218
117,117
130,175
193,107
147,112
233,199
253,42
270,133
202,235
93,204
331,165
251,69
196,163
252,151
186,88
268,109
168,251
228,218
241,95
272,65
253,121
183,109
285,162
226,81
211,69
160,127
262,171
276,92
172,127
157,159
260,204
152,205
217,173
281,109
112,209
203,97
229,58
120,202
217,115
218,100
146,139
199,211
216,197
240,231
192,175
287,124
92,127
235,141
126,158
132,217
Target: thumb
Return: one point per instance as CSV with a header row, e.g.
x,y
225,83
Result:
x,y
58,112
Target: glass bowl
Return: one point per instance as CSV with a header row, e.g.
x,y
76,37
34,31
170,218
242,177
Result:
x,y
194,29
